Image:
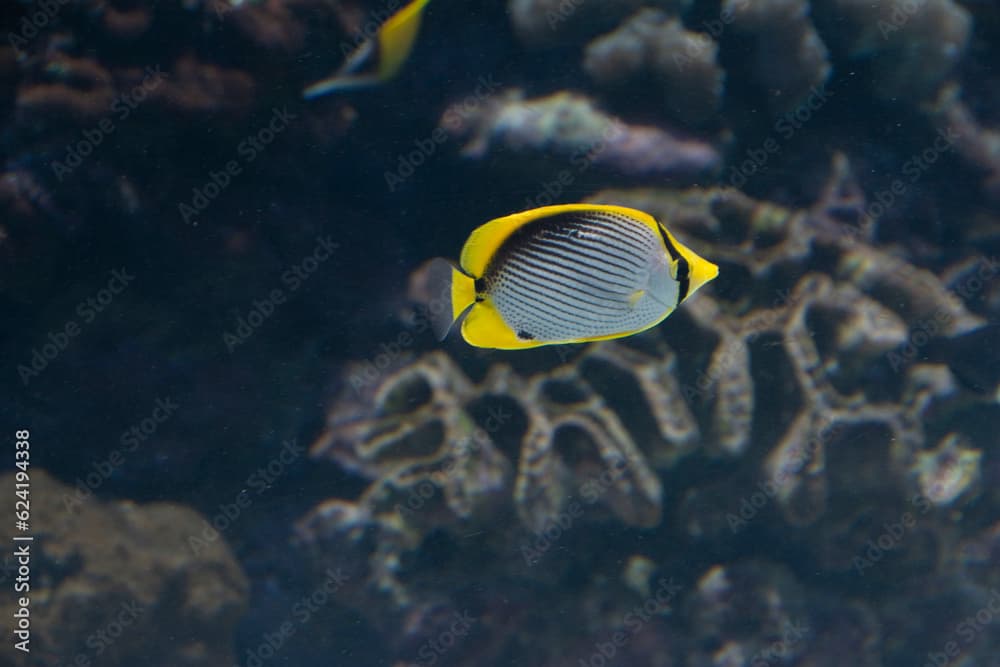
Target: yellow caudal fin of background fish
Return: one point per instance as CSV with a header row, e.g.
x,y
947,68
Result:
x,y
396,38
451,293
393,41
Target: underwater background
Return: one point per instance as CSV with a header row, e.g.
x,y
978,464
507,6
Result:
x,y
244,445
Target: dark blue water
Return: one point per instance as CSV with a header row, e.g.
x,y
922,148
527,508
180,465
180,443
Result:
x,y
233,439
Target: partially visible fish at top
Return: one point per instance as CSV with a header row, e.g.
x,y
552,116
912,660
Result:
x,y
570,273
379,58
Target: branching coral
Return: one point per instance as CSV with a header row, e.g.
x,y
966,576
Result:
x,y
465,463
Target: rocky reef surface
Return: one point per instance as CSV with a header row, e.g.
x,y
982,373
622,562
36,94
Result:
x,y
118,583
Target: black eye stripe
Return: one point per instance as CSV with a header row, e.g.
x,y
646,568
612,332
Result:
x,y
683,279
683,268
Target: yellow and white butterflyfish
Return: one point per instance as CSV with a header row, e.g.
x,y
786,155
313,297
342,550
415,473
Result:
x,y
378,58
570,273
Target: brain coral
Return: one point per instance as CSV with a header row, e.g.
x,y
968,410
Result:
x,y
799,378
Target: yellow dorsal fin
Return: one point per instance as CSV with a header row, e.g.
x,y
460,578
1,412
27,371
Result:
x,y
486,239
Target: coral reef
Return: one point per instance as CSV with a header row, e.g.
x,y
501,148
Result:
x,y
553,405
798,467
119,583
790,59
539,21
653,47
913,46
979,146
775,374
756,612
661,63
75,91
566,127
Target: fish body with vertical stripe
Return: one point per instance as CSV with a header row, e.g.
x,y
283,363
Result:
x,y
570,273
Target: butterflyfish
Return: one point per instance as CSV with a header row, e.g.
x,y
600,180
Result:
x,y
570,273
378,58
